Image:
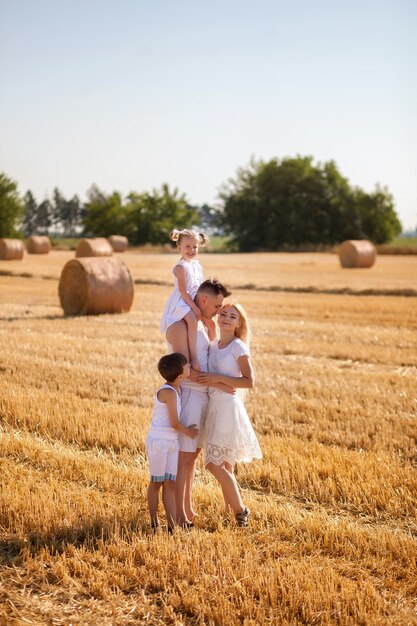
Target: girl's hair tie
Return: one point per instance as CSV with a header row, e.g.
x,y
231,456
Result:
x,y
174,234
202,238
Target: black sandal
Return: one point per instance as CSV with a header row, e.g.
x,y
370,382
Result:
x,y
242,519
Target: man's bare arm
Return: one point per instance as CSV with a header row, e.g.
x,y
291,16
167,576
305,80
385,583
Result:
x,y
177,336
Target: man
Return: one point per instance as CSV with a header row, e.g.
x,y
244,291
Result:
x,y
194,398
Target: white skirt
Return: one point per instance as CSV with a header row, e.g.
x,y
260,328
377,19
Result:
x,y
175,310
227,432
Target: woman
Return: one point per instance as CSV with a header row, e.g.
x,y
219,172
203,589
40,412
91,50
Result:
x,y
228,436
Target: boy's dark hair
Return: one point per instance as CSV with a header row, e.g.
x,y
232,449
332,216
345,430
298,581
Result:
x,y
171,366
214,287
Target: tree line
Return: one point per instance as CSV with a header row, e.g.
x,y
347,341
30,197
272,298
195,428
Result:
x,y
269,205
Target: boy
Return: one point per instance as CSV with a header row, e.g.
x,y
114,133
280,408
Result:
x,y
162,440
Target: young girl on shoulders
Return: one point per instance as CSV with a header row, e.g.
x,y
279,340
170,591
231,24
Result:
x,y
228,436
188,276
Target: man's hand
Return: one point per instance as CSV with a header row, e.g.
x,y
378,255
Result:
x,y
193,375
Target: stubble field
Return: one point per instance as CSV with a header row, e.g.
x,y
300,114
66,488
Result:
x,y
333,535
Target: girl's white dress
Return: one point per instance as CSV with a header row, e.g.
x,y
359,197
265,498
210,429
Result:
x,y
227,433
176,308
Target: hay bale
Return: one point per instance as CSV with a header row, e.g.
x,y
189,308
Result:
x,y
90,286
94,247
38,245
118,243
11,249
357,253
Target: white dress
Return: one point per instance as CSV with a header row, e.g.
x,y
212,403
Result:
x,y
228,434
176,308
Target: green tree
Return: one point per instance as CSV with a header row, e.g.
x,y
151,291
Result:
x,y
66,213
104,214
44,217
378,218
11,207
153,215
30,212
71,215
244,212
210,220
297,202
57,208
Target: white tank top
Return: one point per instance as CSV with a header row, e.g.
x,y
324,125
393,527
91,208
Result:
x,y
160,416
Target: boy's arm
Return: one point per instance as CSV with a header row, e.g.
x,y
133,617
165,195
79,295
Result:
x,y
169,397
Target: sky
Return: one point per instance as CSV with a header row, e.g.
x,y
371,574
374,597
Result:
x,y
130,94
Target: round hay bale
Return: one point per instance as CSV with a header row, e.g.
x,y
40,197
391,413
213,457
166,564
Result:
x,y
94,247
38,245
357,253
91,286
118,243
11,249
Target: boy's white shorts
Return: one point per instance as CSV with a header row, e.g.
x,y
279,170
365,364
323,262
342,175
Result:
x,y
193,410
163,458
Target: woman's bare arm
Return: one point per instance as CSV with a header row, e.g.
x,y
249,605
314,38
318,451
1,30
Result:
x,y
246,381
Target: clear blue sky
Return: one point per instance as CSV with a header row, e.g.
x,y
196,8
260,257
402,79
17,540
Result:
x,y
128,94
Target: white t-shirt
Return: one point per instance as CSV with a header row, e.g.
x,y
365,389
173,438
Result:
x,y
225,361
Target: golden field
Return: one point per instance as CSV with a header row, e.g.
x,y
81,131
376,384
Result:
x,y
333,533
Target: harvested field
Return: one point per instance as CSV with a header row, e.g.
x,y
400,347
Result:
x,y
333,536
307,272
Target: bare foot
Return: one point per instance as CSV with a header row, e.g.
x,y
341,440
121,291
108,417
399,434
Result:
x,y
191,514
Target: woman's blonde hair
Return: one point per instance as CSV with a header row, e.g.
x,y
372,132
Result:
x,y
176,235
243,332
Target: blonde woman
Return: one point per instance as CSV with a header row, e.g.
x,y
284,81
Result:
x,y
228,436
188,276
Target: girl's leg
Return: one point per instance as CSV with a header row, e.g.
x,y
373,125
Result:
x,y
229,468
185,474
153,500
188,506
168,498
229,487
191,322
227,505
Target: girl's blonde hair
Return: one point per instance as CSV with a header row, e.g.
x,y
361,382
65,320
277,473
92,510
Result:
x,y
176,235
243,332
